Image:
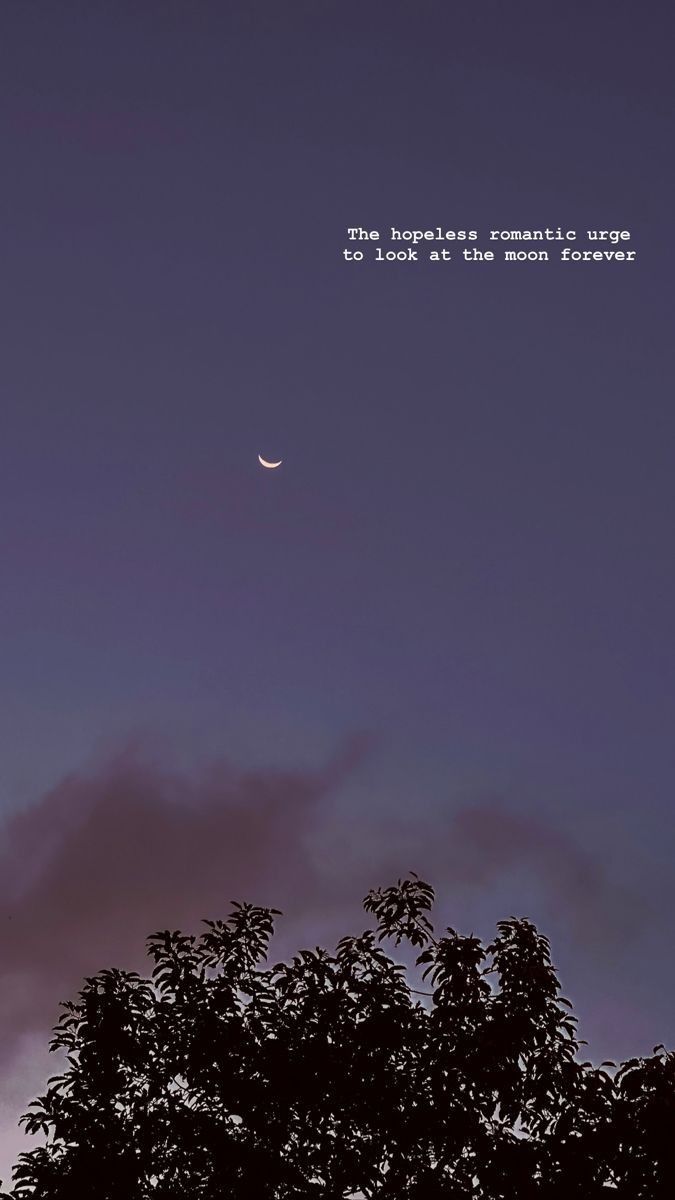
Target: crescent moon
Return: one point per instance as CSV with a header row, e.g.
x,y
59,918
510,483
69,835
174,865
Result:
x,y
264,463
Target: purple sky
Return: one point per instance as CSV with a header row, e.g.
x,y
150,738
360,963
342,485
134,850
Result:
x,y
467,554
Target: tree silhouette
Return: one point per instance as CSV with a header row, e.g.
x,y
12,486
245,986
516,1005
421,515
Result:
x,y
343,1075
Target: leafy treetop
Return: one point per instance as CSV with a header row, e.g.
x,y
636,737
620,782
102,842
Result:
x,y
343,1075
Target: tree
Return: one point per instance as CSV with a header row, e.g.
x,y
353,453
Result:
x,y
343,1075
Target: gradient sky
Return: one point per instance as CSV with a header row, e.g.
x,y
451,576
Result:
x,y
466,559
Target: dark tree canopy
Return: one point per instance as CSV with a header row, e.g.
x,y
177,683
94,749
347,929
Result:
x,y
343,1075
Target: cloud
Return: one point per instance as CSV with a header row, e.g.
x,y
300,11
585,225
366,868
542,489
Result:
x,y
107,857
487,840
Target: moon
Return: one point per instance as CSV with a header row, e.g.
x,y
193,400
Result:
x,y
264,463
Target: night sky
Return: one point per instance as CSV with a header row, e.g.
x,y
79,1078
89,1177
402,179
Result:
x,y
440,636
